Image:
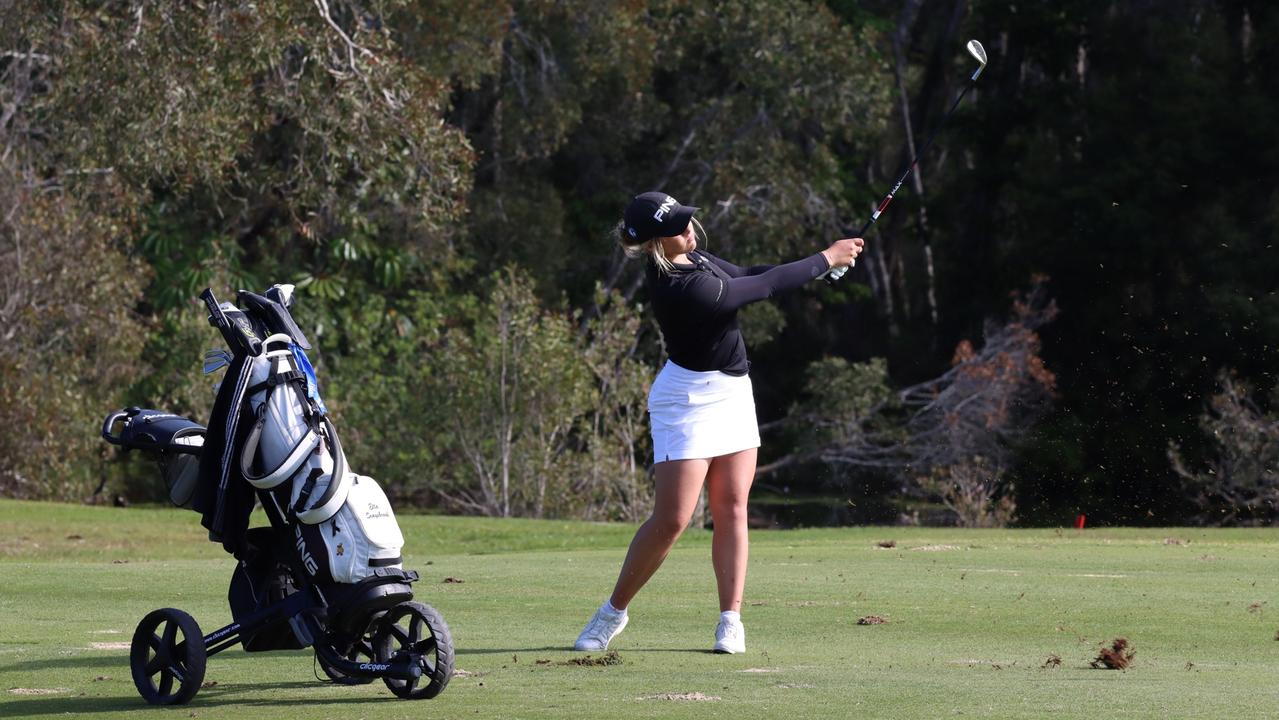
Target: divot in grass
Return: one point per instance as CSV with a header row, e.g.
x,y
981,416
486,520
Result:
x,y
609,658
693,697
38,691
109,645
872,620
936,548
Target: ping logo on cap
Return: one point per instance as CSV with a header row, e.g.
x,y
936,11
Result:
x,y
665,207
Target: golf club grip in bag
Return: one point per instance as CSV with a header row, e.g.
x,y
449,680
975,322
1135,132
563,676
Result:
x,y
234,326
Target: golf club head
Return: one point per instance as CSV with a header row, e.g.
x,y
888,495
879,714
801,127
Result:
x,y
976,50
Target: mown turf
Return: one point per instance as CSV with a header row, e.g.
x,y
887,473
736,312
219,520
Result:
x,y
972,618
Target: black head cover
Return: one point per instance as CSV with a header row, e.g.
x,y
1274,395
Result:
x,y
274,315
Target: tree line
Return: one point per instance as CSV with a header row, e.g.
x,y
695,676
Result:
x,y
1070,307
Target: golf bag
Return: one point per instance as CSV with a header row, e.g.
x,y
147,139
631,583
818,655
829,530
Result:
x,y
327,571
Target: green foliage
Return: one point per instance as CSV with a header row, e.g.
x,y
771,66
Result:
x,y
498,405
70,339
386,156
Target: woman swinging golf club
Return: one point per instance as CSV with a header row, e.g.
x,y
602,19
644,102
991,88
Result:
x,y
701,406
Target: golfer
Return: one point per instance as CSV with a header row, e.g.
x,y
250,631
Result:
x,y
701,407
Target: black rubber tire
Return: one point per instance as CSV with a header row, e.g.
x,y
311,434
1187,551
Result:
x,y
361,650
416,627
158,657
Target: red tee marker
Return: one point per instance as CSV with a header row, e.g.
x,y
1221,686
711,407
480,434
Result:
x,y
1079,522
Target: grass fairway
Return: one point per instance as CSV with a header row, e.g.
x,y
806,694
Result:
x,y
973,616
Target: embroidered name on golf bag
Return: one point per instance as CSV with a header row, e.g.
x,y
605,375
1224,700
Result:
x,y
361,536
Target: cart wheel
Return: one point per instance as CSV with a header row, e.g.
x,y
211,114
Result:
x,y
167,646
361,651
419,629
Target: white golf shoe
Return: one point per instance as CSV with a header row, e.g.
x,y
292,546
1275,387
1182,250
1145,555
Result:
x,y
602,628
730,636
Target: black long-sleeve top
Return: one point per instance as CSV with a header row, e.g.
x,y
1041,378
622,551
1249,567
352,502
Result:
x,y
696,306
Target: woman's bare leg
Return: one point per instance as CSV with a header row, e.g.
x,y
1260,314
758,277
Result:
x,y
677,487
728,485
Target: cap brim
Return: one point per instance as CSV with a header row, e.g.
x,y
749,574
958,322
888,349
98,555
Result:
x,y
678,220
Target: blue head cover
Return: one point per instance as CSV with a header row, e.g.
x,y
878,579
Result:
x,y
312,385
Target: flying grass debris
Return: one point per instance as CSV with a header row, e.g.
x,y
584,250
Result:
x,y
1053,661
1116,657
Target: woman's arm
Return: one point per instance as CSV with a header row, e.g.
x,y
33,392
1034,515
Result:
x,y
735,270
721,296
715,295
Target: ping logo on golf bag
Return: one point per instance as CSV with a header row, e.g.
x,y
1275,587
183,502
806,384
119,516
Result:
x,y
311,566
664,208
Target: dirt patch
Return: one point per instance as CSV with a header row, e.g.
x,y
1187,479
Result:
x,y
1053,661
886,544
38,691
459,672
1116,657
1256,607
1175,541
760,670
110,645
872,620
936,548
454,580
609,658
693,697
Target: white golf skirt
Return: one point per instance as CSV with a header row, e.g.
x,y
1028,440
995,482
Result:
x,y
701,414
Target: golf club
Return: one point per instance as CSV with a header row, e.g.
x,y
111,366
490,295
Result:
x,y
977,51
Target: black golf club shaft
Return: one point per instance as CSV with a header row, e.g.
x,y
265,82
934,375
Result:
x,y
832,277
913,163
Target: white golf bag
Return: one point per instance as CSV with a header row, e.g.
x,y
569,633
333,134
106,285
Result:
x,y
344,520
